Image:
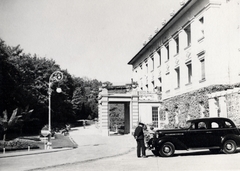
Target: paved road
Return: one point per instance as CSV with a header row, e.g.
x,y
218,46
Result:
x,y
91,146
115,153
182,161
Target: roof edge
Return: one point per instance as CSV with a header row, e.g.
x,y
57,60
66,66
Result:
x,y
150,41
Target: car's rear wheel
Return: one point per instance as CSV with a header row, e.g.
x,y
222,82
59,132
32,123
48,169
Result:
x,y
229,147
167,150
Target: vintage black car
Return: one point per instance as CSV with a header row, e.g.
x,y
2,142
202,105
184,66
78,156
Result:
x,y
215,134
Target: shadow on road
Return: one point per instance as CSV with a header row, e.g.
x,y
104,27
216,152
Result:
x,y
195,153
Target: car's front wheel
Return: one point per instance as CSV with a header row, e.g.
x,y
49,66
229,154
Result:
x,y
229,147
167,150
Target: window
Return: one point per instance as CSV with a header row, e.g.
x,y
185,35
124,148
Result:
x,y
167,48
155,116
202,125
228,124
152,63
201,57
167,82
159,53
202,61
159,88
189,69
201,20
177,70
153,86
214,125
146,67
177,44
188,33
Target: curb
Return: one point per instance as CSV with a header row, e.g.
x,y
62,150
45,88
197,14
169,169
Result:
x,y
16,154
71,139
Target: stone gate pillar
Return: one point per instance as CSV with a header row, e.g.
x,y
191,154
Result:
x,y
134,110
103,113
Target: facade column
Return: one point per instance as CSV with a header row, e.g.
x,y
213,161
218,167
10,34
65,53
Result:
x,y
99,112
223,106
134,110
104,126
213,110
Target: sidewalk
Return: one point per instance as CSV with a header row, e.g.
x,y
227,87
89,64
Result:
x,y
91,146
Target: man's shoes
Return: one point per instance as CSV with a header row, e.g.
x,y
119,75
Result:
x,y
144,156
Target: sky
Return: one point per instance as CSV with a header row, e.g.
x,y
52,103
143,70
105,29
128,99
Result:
x,y
90,38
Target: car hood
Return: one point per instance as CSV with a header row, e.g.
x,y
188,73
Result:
x,y
170,130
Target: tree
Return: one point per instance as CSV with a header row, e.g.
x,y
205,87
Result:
x,y
14,118
9,78
116,115
24,80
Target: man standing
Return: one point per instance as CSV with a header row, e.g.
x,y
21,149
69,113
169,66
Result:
x,y
139,136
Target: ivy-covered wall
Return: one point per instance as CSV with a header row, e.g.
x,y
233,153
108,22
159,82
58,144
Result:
x,y
190,105
233,107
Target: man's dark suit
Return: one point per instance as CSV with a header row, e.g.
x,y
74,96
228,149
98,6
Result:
x,y
139,136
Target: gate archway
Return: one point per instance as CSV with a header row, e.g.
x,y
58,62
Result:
x,y
119,118
131,109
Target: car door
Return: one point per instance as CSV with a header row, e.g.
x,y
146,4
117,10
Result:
x,y
214,133
196,136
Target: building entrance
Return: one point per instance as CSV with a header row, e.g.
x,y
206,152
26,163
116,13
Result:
x,y
119,118
109,104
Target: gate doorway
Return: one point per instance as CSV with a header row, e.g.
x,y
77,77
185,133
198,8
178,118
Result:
x,y
128,99
119,118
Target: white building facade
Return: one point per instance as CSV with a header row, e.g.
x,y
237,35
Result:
x,y
198,47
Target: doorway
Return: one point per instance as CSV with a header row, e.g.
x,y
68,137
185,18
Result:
x,y
119,118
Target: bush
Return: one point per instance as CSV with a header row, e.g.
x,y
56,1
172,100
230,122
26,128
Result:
x,y
18,144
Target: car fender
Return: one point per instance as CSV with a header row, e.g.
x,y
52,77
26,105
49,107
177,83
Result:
x,y
234,137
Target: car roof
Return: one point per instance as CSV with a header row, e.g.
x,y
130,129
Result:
x,y
210,119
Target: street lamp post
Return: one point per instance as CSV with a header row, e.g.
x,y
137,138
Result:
x,y
55,77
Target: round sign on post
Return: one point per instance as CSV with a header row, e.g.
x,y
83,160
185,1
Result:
x,y
45,132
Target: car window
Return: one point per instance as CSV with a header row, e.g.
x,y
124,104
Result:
x,y
187,125
228,124
190,125
215,125
202,125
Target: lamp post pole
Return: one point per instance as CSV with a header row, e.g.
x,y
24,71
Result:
x,y
55,77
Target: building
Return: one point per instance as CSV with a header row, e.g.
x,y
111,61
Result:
x,y
190,59
198,47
